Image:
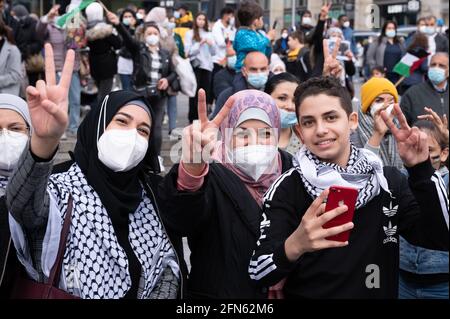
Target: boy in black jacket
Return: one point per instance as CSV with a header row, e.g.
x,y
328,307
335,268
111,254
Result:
x,y
292,241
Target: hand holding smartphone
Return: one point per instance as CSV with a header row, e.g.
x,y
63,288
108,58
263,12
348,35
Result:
x,y
340,196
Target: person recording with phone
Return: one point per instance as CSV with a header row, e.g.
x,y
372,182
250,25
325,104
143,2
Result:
x,y
293,242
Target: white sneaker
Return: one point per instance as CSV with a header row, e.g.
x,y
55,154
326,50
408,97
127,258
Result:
x,y
161,165
64,137
176,134
174,137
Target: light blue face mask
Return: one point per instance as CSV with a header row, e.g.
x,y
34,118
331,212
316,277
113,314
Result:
x,y
231,61
436,75
391,33
257,80
430,30
288,119
176,14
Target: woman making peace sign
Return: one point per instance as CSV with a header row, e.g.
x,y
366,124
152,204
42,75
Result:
x,y
117,246
217,205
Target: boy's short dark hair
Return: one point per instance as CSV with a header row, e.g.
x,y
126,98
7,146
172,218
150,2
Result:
x,y
429,126
323,85
226,10
299,35
248,12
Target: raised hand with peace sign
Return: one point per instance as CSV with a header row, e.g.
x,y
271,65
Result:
x,y
48,103
331,66
200,138
324,11
412,144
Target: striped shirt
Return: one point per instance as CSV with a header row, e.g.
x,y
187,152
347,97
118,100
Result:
x,y
155,71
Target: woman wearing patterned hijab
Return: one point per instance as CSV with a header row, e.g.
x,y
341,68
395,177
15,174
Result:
x,y
217,205
15,131
117,246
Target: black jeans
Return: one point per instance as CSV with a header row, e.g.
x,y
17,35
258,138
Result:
x,y
104,88
203,82
158,106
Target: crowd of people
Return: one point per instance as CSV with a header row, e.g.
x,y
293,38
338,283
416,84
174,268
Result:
x,y
274,122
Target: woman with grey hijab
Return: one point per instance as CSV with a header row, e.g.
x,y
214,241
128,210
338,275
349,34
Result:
x,y
15,131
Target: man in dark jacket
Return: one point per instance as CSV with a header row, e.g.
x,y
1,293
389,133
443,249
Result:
x,y
254,75
433,93
28,42
437,42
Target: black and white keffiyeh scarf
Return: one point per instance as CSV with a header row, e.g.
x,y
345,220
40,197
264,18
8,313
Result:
x,y
94,261
364,172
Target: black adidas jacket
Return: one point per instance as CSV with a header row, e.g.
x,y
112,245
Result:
x,y
368,267
221,222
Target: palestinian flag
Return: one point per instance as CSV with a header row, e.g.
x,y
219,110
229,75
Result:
x,y
410,61
63,19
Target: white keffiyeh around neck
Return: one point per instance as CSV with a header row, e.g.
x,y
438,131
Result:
x,y
364,172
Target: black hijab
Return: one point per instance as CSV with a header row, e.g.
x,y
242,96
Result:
x,y
120,192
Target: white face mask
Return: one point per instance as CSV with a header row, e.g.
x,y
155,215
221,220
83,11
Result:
x,y
139,16
232,21
346,24
12,145
121,150
307,21
254,160
171,25
152,39
376,106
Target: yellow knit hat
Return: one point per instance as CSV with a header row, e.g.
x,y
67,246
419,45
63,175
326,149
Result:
x,y
375,87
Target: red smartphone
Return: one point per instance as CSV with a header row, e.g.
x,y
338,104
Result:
x,y
339,196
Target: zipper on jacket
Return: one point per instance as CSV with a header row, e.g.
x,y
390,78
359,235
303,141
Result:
x,y
168,237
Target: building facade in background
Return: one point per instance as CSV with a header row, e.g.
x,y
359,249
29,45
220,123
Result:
x,y
404,12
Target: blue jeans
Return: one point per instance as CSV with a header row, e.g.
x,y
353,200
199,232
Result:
x,y
74,101
126,80
408,290
172,111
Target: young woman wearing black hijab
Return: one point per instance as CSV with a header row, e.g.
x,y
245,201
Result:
x,y
117,246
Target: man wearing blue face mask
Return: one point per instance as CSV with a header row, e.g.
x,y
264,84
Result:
x,y
433,93
437,42
254,75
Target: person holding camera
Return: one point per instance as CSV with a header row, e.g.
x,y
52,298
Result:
x,y
153,71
